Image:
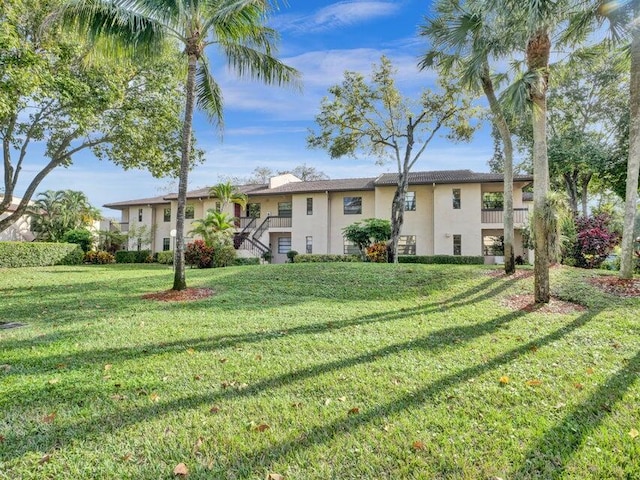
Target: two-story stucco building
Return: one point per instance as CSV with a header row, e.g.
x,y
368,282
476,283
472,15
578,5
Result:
x,y
451,212
20,229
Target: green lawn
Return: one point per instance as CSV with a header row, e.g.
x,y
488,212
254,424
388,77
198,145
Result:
x,y
358,370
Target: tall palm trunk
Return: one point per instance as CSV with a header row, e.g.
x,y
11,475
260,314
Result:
x,y
505,135
538,49
633,163
179,282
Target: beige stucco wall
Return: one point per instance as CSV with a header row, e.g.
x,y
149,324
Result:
x,y
418,222
338,220
314,225
464,221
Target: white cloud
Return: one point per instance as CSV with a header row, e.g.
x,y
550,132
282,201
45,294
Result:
x,y
336,15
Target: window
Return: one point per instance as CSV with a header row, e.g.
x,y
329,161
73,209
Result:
x,y
218,207
253,210
493,201
492,245
284,244
309,206
407,245
139,214
139,244
456,199
352,205
457,244
309,245
167,214
350,248
189,211
166,244
410,201
284,209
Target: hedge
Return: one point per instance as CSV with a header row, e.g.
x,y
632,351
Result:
x,y
165,257
442,259
39,254
133,256
313,258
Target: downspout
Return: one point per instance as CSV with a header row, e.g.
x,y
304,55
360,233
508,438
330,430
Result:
x,y
328,222
433,217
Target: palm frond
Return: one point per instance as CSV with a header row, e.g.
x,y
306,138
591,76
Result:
x,y
208,93
248,62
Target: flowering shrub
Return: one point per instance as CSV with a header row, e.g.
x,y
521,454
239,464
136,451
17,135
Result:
x,y
199,254
377,252
594,240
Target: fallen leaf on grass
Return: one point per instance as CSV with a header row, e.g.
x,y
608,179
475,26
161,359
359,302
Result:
x,y
53,381
190,351
578,386
354,411
117,397
418,445
633,433
274,476
197,377
198,444
107,367
214,409
126,458
504,380
327,402
1,438
49,418
590,371
342,399
44,459
181,470
534,382
262,427
60,366
154,397
296,404
258,358
223,360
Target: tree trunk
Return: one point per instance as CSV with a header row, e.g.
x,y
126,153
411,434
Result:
x,y
633,163
179,282
397,214
570,182
538,48
505,135
585,193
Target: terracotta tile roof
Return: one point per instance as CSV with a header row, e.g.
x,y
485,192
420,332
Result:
x,y
449,176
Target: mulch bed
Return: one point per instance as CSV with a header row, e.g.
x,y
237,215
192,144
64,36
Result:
x,y
617,286
527,303
186,295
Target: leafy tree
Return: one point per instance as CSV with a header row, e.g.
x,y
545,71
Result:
x,y
55,213
235,27
53,94
370,231
374,118
466,39
308,174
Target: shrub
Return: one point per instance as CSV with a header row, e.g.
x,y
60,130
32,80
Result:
x,y
594,240
223,255
291,255
313,258
199,254
377,252
79,236
165,257
442,259
133,256
99,257
241,261
39,254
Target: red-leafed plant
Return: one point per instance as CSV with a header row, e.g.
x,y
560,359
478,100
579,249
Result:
x,y
594,240
199,254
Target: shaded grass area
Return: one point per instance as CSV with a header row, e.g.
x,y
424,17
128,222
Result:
x,y
358,370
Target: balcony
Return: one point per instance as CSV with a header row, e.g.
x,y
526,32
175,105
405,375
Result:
x,y
520,216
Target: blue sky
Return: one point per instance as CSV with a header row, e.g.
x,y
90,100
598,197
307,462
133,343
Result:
x,y
267,126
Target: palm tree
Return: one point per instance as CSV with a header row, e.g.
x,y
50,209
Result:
x,y
234,26
462,39
215,223
227,193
